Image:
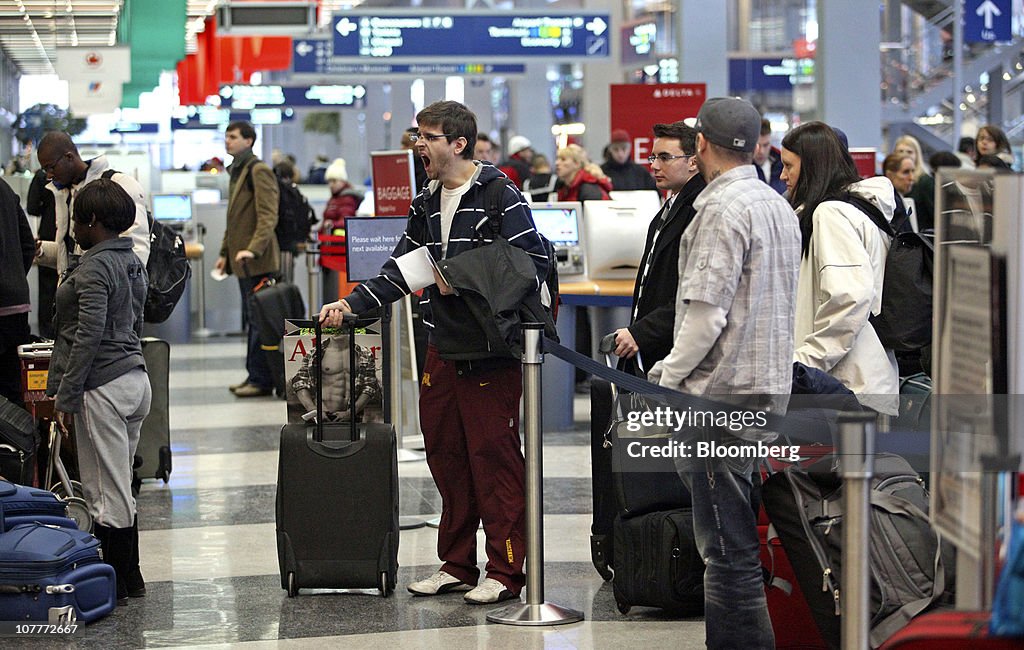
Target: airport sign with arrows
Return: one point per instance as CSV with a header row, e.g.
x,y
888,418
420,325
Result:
x,y
988,21
482,36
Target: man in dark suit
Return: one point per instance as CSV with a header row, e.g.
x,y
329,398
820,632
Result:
x,y
768,159
649,336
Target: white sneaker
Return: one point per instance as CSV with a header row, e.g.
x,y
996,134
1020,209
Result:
x,y
488,592
439,583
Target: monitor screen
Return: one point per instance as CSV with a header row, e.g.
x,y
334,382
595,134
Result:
x,y
559,222
172,207
615,234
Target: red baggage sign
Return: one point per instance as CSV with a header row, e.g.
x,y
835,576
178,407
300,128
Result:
x,y
393,182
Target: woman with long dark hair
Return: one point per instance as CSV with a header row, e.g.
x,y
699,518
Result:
x,y
841,270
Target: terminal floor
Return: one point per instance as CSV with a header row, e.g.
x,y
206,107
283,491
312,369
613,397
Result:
x,y
209,551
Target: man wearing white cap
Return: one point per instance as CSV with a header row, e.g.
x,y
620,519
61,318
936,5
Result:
x,y
517,166
738,268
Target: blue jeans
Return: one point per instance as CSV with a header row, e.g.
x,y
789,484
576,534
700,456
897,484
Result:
x,y
735,608
255,358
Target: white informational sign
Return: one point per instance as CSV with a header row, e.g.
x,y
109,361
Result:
x,y
91,97
82,64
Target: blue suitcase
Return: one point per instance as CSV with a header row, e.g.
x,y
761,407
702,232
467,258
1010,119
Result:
x,y
54,575
20,504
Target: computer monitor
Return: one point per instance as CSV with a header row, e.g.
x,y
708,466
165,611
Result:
x,y
172,208
561,224
614,234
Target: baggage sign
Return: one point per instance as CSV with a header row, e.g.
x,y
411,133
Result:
x,y
393,182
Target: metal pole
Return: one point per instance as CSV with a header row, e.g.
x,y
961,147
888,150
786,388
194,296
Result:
x,y
313,277
958,70
202,332
535,611
397,398
856,468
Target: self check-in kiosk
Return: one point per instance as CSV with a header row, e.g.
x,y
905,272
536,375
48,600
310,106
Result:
x,y
561,223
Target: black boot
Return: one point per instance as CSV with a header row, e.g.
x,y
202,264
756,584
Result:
x,y
117,547
133,581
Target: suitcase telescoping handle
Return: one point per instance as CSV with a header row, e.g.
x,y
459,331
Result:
x,y
348,322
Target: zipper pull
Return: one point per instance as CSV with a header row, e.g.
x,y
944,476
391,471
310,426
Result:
x,y
825,579
835,597
828,526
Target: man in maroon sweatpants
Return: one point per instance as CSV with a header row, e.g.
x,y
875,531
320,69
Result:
x,y
469,398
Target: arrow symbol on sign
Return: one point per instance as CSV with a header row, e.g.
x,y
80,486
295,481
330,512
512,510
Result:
x,y
302,48
346,27
988,9
598,26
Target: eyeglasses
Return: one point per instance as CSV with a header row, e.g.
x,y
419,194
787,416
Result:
x,y
48,169
429,137
665,158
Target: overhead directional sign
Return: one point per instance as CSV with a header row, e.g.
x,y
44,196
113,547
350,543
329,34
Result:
x,y
433,35
248,97
311,55
988,21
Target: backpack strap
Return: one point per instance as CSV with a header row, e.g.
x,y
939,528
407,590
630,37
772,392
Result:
x,y
871,210
493,206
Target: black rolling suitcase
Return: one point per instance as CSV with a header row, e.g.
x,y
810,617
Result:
x,y
153,455
273,302
618,493
337,500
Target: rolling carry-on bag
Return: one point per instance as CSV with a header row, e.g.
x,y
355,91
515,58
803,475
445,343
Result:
x,y
617,492
153,455
272,303
54,575
21,504
337,496
657,563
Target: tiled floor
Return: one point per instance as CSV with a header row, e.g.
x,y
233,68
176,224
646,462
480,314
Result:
x,y
210,559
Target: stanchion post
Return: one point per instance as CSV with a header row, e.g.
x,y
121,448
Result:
x,y
856,469
312,277
535,611
201,331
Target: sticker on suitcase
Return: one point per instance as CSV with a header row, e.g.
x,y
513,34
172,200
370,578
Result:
x,y
300,373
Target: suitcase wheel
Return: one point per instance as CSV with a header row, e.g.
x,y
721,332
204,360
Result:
x,y
76,490
385,585
165,464
292,589
78,511
622,607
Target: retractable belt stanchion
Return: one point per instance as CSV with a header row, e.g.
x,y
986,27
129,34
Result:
x,y
535,611
313,278
397,398
856,468
202,332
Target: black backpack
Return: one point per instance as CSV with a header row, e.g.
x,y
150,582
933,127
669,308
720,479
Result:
x,y
905,322
295,217
168,269
492,208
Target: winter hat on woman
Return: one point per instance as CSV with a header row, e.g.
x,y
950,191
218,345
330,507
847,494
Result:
x,y
336,171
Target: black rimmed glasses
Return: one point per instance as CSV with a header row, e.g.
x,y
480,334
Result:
x,y
48,169
429,137
665,158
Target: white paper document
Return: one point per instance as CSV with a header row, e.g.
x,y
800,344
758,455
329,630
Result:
x,y
417,268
